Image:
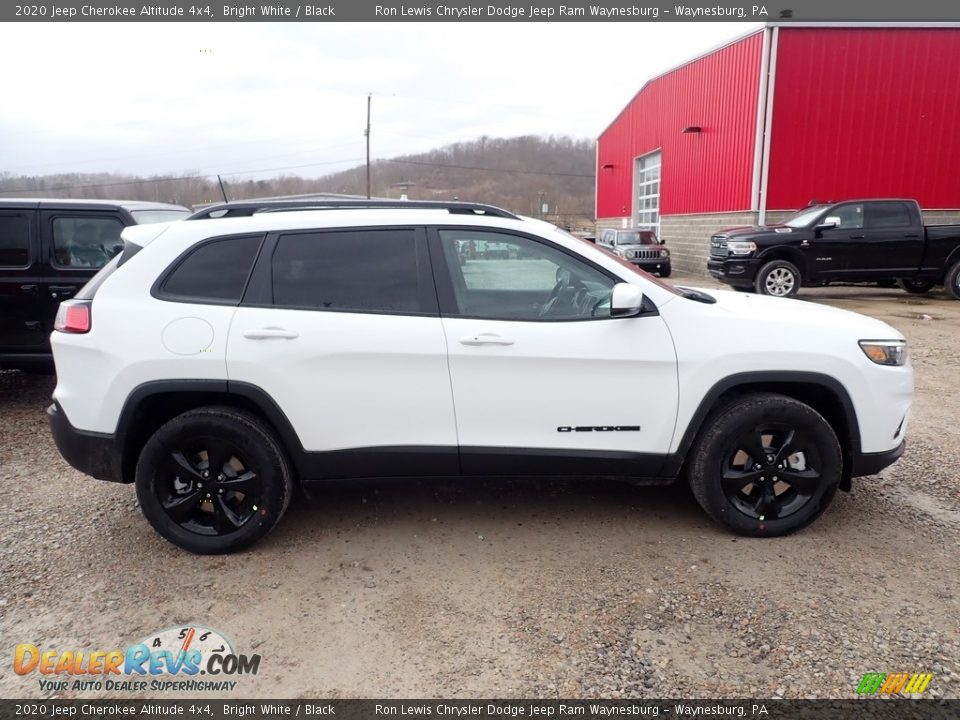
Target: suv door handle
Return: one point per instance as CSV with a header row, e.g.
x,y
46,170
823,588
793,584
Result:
x,y
31,289
270,333
857,237
485,339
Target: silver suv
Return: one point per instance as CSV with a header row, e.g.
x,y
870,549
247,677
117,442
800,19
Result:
x,y
641,247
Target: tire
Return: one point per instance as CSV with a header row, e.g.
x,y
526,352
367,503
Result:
x,y
916,287
952,281
750,502
665,271
778,278
218,512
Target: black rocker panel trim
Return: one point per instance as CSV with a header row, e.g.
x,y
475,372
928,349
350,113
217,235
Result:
x,y
556,462
411,461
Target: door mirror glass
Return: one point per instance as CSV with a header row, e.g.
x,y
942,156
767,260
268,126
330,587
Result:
x,y
626,300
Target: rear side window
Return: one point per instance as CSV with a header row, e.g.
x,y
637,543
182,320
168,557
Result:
x,y
887,214
14,241
86,242
215,272
356,270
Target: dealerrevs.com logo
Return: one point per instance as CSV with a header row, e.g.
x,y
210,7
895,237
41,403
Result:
x,y
171,660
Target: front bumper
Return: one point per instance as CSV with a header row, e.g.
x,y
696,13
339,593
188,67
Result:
x,y
873,463
650,265
734,271
94,454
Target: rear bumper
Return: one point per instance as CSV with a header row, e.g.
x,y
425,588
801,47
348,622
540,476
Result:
x,y
94,454
872,463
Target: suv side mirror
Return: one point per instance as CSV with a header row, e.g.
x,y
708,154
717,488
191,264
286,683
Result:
x,y
626,300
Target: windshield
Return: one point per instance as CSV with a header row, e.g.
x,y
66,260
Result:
x,y
637,237
804,217
146,217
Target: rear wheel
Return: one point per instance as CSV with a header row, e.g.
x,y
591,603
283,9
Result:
x,y
765,465
778,278
213,480
916,287
952,281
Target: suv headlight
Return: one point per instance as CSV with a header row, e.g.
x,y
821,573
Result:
x,y
664,253
741,247
885,352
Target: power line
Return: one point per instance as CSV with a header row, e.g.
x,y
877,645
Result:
x,y
487,169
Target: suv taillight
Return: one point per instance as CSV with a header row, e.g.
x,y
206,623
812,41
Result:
x,y
73,316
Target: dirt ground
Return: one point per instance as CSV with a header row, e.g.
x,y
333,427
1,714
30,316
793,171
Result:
x,y
515,589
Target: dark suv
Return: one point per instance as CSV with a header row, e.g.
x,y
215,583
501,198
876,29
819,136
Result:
x,y
48,250
641,247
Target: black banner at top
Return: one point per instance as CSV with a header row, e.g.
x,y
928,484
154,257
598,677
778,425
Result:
x,y
798,11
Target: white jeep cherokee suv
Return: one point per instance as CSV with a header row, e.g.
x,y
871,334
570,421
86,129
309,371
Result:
x,y
217,363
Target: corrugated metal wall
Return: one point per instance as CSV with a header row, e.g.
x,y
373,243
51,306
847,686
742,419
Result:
x,y
866,112
711,171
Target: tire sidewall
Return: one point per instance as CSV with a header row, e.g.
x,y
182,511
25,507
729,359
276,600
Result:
x,y
260,453
718,444
760,286
952,281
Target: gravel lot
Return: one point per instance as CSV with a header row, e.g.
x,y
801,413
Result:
x,y
532,589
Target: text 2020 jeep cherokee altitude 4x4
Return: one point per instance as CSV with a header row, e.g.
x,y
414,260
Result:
x,y
217,363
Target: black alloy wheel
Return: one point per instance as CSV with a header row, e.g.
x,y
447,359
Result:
x,y
213,480
771,472
765,465
207,487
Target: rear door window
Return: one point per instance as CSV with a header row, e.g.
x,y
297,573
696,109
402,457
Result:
x,y
375,271
14,240
887,215
85,241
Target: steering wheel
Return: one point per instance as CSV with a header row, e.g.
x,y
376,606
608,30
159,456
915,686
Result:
x,y
563,282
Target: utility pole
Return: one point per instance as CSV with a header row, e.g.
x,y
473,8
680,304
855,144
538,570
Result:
x,y
367,134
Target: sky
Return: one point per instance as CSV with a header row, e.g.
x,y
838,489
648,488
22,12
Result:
x,y
258,100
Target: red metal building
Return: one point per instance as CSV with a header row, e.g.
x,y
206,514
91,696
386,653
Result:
x,y
773,119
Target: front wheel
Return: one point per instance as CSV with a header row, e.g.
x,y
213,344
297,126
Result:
x,y
778,278
665,271
765,465
213,480
916,287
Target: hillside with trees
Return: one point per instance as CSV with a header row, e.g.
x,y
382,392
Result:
x,y
520,174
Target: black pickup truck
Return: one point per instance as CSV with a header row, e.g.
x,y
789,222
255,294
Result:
x,y
852,241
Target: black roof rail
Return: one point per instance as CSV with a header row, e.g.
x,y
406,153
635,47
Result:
x,y
246,208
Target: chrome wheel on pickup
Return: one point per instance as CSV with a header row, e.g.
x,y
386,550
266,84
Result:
x,y
778,278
